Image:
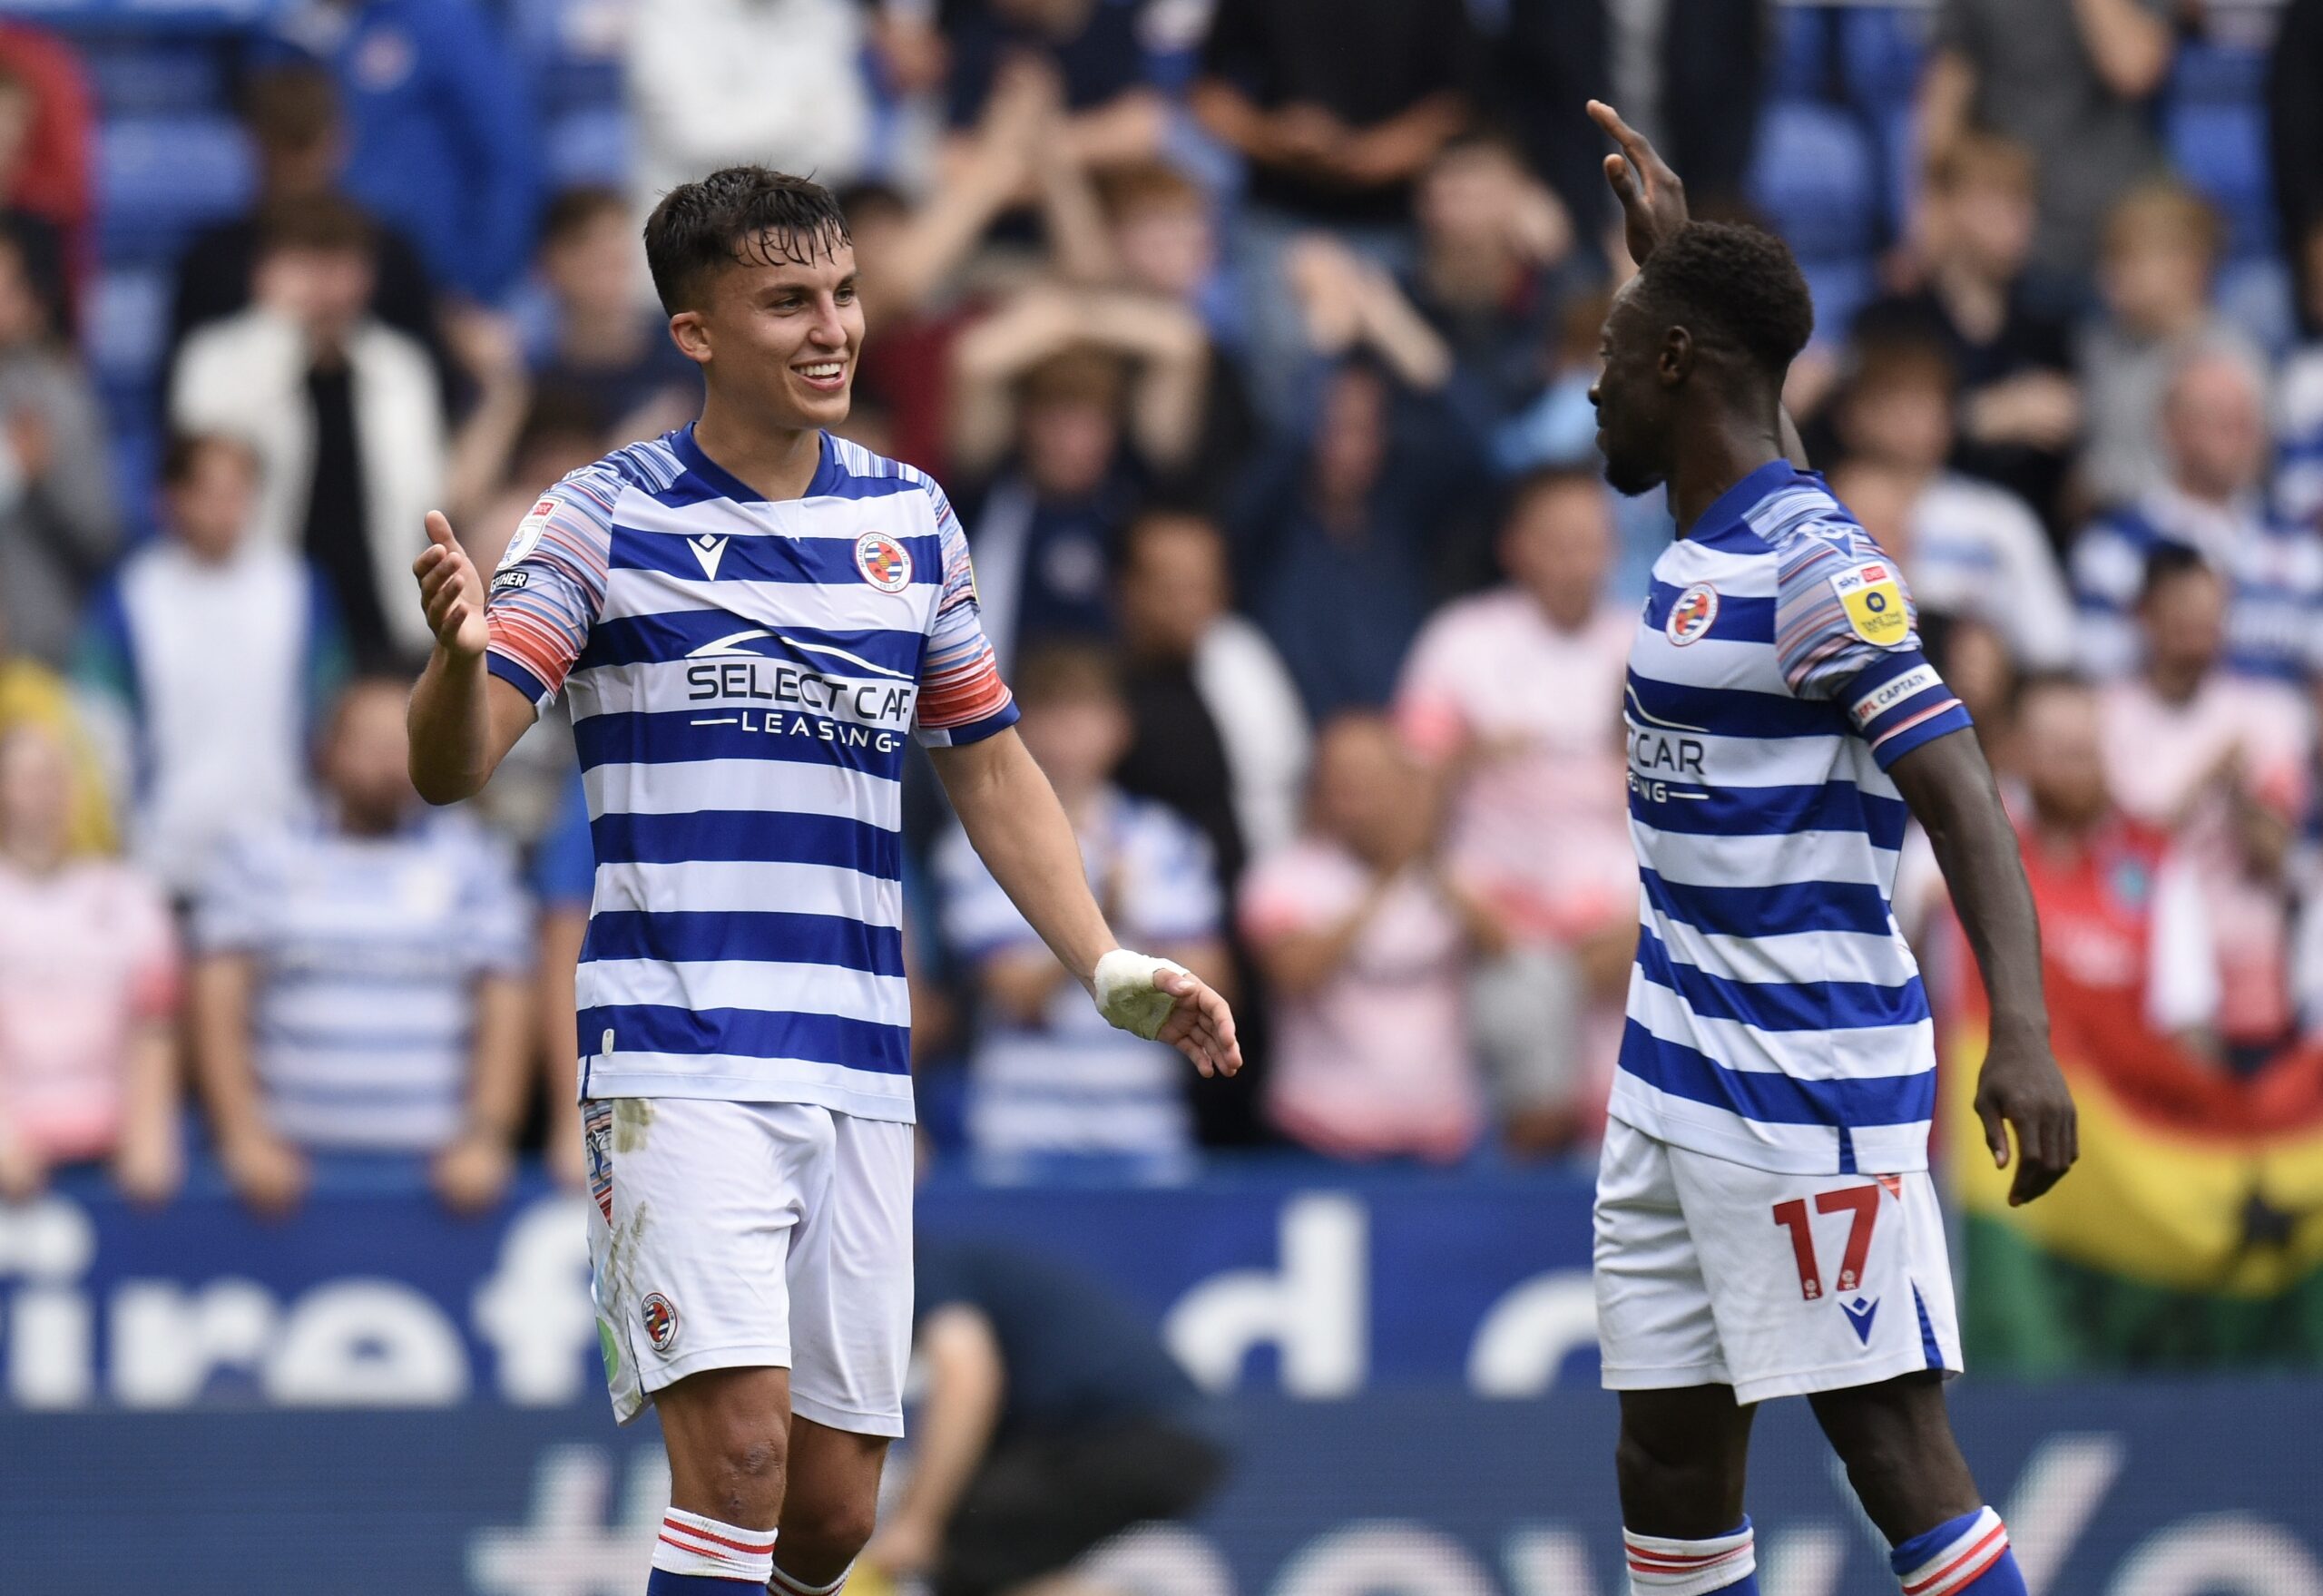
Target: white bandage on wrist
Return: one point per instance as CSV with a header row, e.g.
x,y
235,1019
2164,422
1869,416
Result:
x,y
1126,994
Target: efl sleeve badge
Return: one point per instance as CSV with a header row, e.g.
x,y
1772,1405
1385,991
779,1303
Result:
x,y
1873,598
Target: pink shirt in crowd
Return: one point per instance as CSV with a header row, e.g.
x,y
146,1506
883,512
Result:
x,y
1540,825
1375,1062
2160,758
86,954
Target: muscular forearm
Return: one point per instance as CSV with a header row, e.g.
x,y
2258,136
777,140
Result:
x,y
450,723
1020,831
1950,791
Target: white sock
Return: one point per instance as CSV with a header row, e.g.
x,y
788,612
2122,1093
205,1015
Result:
x,y
1662,1567
692,1545
790,1585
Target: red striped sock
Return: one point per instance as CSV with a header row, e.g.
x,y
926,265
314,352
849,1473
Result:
x,y
1660,1566
706,1548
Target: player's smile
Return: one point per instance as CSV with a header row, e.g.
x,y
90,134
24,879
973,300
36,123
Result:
x,y
825,375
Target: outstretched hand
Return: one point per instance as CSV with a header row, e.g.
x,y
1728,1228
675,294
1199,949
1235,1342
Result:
x,y
452,592
1200,1026
1654,201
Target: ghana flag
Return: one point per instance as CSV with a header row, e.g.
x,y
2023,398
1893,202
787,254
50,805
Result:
x,y
2189,1235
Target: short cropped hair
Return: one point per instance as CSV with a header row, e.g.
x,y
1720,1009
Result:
x,y
2168,563
1978,155
2161,209
1735,283
316,221
737,216
575,210
1068,671
183,455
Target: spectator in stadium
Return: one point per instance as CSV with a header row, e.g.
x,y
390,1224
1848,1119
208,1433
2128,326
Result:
x,y
2072,83
2121,911
1218,733
344,412
1113,115
1543,62
36,237
2295,152
50,151
1538,827
716,83
564,881
58,528
362,980
88,988
2212,500
2161,244
1048,1078
1052,1420
203,666
605,344
1329,545
2223,764
32,693
1333,136
1045,527
1969,547
1367,943
298,136
2005,324
441,143
1491,239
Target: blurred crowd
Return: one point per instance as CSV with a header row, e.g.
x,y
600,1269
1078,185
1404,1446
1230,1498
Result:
x,y
1252,339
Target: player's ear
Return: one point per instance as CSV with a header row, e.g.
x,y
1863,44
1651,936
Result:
x,y
691,335
1676,358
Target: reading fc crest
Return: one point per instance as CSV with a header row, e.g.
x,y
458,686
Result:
x,y
885,563
1691,617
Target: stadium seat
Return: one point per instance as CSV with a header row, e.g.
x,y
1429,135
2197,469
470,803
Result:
x,y
163,176
589,147
138,77
1802,64
1816,174
2221,149
128,320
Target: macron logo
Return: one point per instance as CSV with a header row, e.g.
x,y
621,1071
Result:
x,y
708,550
1859,1316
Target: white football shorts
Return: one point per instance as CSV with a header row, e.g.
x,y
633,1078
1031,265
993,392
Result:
x,y
740,1235
1711,1273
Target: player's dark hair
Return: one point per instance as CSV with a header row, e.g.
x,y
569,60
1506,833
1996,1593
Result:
x,y
1729,283
737,216
2167,564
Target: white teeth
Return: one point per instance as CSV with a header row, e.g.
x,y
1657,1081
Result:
x,y
829,369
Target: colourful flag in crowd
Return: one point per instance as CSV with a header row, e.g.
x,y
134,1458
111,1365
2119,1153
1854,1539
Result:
x,y
2190,1233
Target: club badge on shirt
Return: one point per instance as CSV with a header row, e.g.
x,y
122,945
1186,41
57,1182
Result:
x,y
883,562
1874,602
1692,616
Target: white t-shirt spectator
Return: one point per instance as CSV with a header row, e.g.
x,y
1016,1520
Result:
x,y
1539,826
367,950
1375,1062
1071,1083
1978,551
87,953
201,681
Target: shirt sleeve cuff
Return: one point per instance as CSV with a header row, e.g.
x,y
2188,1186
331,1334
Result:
x,y
506,668
953,737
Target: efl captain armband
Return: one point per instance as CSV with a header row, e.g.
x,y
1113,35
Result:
x,y
1127,996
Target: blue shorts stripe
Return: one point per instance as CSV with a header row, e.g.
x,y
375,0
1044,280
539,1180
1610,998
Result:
x,y
1776,1100
1780,1005
756,1034
1771,911
757,835
772,937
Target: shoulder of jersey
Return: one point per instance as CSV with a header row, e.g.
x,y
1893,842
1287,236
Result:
x,y
858,461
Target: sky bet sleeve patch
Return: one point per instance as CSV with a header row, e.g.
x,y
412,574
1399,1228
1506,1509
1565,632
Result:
x,y
1874,601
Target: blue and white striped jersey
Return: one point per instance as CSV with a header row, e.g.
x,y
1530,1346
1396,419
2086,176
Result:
x,y
743,674
1776,1016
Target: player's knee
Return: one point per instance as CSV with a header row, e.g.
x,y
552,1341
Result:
x,y
742,1467
831,1530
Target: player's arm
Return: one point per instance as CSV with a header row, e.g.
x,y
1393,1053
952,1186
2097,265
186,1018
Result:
x,y
965,1382
1949,790
1020,831
463,719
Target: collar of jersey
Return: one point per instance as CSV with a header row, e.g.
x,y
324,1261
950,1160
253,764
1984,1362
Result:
x,y
1725,524
729,485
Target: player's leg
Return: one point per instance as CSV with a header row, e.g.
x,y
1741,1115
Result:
x,y
850,1284
1684,1440
696,1200
1897,1442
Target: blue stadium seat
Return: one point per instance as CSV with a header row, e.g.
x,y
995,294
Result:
x,y
2221,149
1816,174
162,176
589,147
128,320
1881,51
1841,288
135,75
1801,66
2218,75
